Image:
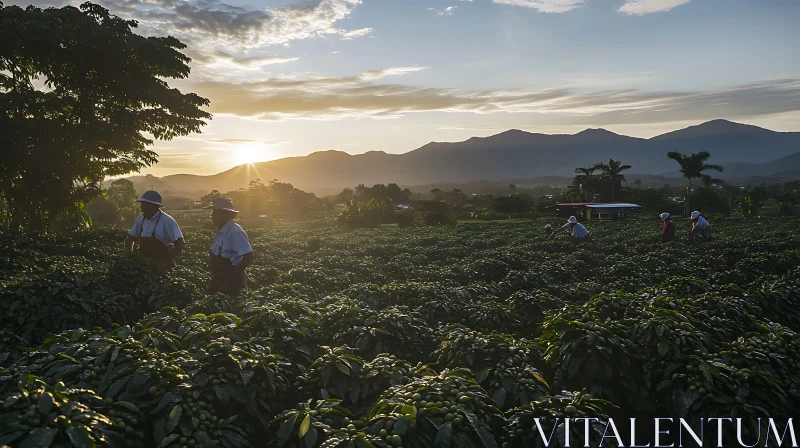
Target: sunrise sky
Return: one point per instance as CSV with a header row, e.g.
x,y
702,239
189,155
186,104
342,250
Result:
x,y
288,78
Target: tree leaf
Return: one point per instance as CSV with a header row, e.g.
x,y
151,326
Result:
x,y
444,437
80,438
305,425
311,437
343,368
169,439
127,405
401,425
286,429
499,396
46,403
174,417
39,437
663,348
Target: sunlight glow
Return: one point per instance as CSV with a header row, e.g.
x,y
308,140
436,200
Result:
x,y
252,152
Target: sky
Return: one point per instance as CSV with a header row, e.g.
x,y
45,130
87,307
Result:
x,y
288,78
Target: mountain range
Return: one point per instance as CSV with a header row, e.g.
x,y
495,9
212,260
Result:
x,y
744,150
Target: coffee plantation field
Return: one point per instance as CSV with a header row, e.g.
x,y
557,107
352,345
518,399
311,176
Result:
x,y
420,337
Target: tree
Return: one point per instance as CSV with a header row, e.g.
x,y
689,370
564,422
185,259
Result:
x,y
611,173
693,166
585,181
437,194
208,199
97,116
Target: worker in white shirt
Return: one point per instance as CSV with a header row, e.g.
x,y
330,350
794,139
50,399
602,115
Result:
x,y
700,227
157,233
577,230
231,253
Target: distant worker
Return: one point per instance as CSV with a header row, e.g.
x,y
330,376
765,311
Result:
x,y
158,234
231,253
700,227
548,227
578,231
668,229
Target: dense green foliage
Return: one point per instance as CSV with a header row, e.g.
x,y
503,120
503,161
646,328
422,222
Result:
x,y
96,116
421,337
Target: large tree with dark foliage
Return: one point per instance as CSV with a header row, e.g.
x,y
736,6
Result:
x,y
82,98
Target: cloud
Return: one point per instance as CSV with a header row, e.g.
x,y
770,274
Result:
x,y
553,6
377,74
449,11
219,57
641,7
328,98
212,22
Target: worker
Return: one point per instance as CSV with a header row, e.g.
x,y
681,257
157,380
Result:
x,y
231,253
577,230
668,229
700,227
158,234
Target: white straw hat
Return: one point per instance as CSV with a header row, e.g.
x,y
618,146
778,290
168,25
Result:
x,y
573,220
695,214
664,215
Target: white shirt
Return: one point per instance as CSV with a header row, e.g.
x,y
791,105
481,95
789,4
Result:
x,y
231,242
579,231
702,223
164,229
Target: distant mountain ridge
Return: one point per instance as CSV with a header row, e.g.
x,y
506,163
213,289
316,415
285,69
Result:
x,y
514,154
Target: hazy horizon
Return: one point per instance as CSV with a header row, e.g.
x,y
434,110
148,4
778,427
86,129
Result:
x,y
289,78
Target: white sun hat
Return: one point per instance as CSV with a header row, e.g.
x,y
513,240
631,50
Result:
x,y
573,220
664,215
695,214
222,203
151,197
548,227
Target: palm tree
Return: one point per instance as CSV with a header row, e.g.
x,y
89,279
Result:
x,y
694,167
586,178
612,172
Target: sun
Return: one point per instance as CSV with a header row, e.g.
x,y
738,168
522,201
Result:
x,y
252,152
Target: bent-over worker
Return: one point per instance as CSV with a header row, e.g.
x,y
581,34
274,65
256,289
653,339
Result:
x,y
668,229
577,230
231,253
700,227
158,234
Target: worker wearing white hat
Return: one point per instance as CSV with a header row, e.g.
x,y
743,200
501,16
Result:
x,y
700,227
668,229
231,253
577,230
157,233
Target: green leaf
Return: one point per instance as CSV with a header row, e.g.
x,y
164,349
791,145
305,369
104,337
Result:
x,y
401,425
46,403
285,430
39,437
115,354
343,368
169,439
305,425
444,437
127,405
663,348
311,437
499,396
80,437
174,417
